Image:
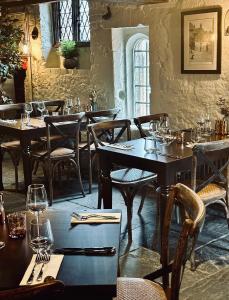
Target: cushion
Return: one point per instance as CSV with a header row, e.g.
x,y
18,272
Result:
x,y
15,144
138,289
212,191
59,152
132,175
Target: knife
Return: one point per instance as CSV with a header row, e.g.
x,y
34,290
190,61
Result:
x,y
87,251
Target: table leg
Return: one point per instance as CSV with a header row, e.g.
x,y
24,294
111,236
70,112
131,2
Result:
x,y
1,159
106,185
25,145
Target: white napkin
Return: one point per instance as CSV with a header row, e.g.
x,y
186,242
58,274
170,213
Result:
x,y
97,220
8,121
50,269
120,146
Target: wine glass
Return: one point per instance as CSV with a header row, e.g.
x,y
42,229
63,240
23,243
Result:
x,y
69,105
40,235
28,109
37,200
41,107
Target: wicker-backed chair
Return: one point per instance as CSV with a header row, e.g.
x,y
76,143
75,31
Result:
x,y
127,181
51,289
213,186
172,266
66,150
87,147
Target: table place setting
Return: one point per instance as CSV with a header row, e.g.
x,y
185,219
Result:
x,y
88,217
42,268
121,146
8,121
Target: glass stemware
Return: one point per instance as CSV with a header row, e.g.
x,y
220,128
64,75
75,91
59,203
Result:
x,y
41,107
40,235
37,200
69,105
28,110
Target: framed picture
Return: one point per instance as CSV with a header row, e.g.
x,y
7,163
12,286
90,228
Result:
x,y
201,41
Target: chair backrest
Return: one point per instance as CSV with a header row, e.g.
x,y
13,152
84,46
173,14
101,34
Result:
x,y
69,137
51,106
147,119
96,116
215,158
109,131
11,111
50,289
193,212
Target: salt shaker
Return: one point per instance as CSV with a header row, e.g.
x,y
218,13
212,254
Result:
x,y
2,210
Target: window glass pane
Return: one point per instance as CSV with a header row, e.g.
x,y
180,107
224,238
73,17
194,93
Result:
x,y
84,21
141,77
66,20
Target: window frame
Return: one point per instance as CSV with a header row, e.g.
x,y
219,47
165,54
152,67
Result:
x,y
75,24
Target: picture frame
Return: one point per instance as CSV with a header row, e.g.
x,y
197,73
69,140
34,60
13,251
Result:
x,y
201,41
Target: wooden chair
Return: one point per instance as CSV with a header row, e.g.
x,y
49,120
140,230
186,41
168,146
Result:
x,y
50,289
51,106
13,148
65,150
139,121
127,181
87,147
194,212
147,119
213,187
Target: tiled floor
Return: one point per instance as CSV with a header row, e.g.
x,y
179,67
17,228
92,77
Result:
x,y
137,258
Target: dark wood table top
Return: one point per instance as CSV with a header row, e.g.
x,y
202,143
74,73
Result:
x,y
88,275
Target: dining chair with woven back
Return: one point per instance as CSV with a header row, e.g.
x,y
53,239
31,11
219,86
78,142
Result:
x,y
50,289
65,150
128,181
172,265
87,146
144,132
212,185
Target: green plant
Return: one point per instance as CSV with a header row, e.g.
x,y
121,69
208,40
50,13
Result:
x,y
10,37
68,49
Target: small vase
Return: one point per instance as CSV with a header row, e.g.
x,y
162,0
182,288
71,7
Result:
x,y
70,63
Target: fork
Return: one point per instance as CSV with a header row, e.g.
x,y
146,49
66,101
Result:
x,y
45,259
38,260
82,218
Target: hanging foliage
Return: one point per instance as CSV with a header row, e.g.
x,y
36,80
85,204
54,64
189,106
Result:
x,y
10,37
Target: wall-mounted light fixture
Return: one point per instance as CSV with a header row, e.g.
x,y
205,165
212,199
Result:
x,y
226,23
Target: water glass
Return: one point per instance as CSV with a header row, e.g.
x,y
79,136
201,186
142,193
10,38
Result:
x,y
17,224
40,235
24,120
37,200
150,145
28,110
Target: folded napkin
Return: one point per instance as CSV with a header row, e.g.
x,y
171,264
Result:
x,y
121,146
50,269
116,219
8,121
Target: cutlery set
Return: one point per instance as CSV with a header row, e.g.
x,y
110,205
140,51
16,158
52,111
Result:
x,y
97,216
41,258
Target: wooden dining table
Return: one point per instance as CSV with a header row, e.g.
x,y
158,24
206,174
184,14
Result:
x,y
25,135
173,159
86,277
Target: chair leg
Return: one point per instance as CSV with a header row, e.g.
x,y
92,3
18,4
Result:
x,y
144,191
1,160
15,156
78,173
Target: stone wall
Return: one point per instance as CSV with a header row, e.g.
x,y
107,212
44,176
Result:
x,y
183,96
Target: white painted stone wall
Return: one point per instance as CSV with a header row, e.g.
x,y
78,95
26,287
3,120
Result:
x,y
183,96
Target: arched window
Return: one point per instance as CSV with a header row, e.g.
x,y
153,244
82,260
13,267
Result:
x,y
137,75
141,86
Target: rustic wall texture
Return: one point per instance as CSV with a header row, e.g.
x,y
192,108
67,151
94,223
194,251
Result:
x,y
183,96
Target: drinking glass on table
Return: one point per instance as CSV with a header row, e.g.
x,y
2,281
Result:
x,y
37,200
150,145
28,110
69,105
41,107
40,235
